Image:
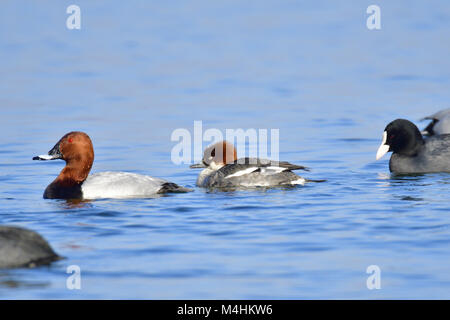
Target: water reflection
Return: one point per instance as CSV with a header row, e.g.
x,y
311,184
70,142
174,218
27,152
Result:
x,y
74,204
410,187
13,280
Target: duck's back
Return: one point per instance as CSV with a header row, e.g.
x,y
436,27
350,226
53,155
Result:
x,y
433,157
443,125
120,185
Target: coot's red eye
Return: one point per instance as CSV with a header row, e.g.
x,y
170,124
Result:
x,y
70,140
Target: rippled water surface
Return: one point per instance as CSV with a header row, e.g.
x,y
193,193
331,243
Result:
x,y
136,71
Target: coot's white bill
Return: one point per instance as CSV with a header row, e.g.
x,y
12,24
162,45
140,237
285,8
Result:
x,y
384,148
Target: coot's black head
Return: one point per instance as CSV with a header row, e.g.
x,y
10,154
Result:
x,y
400,136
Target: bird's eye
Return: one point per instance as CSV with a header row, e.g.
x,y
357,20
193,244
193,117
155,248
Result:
x,y
70,140
392,136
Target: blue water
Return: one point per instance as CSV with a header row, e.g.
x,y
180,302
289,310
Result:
x,y
138,70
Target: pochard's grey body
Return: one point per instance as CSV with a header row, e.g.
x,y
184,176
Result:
x,y
440,123
411,153
244,172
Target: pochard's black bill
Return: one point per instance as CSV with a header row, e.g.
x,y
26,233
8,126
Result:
x,y
45,157
53,154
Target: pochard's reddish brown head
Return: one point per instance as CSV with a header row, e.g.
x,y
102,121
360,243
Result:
x,y
73,147
218,154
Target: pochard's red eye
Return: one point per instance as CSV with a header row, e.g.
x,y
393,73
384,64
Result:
x,y
70,140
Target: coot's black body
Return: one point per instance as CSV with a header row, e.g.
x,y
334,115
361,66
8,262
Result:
x,y
23,248
411,153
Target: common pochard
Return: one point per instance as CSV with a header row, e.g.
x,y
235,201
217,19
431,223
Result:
x,y
74,181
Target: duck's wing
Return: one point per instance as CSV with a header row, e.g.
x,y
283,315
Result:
x,y
252,174
429,129
236,170
438,115
245,166
440,123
